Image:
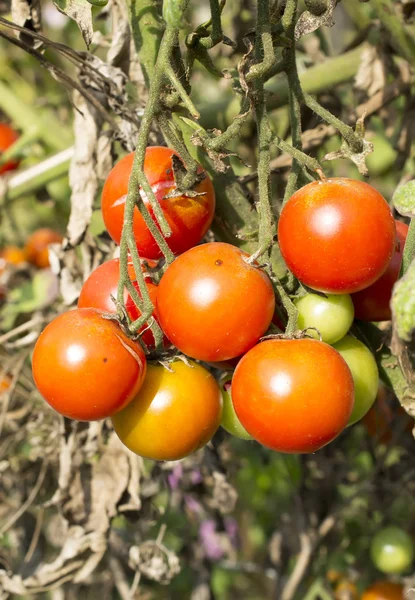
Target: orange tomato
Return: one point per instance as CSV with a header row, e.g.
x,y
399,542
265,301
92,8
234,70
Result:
x,y
85,367
174,414
37,246
293,396
7,137
384,590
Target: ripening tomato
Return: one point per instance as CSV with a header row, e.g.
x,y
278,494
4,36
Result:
x,y
189,218
332,315
175,413
37,246
230,421
293,395
337,236
384,590
85,367
373,303
7,137
212,304
12,255
4,384
364,370
392,550
346,589
103,283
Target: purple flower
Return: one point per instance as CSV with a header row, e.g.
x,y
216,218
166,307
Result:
x,y
175,476
210,540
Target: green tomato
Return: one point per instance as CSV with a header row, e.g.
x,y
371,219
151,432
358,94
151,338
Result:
x,y
392,550
332,316
365,375
230,421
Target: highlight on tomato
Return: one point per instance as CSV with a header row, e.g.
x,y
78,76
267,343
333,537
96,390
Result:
x,y
7,138
230,421
293,396
373,303
85,367
212,304
364,370
176,412
189,217
384,590
101,287
331,315
37,246
337,236
392,550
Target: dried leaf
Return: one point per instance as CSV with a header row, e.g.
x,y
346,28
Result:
x,y
307,23
81,12
371,76
154,561
27,13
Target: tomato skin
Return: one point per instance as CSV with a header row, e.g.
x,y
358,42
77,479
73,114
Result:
x,y
293,396
384,590
203,305
37,246
230,421
103,283
174,413
392,550
189,218
332,316
85,367
337,236
7,137
373,303
363,367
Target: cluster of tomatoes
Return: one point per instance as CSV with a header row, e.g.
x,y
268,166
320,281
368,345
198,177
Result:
x,y
215,304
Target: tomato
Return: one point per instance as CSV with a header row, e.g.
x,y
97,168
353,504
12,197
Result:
x,y
384,590
103,283
365,374
346,589
7,137
189,218
392,550
12,255
85,367
381,417
212,304
4,384
293,396
225,365
174,414
230,421
332,316
337,236
373,303
37,246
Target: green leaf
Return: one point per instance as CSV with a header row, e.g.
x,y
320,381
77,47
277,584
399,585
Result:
x,y
403,304
404,199
38,293
81,12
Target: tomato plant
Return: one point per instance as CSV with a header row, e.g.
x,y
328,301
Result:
x,y
332,315
37,244
188,217
373,303
337,236
176,412
7,137
85,367
293,395
101,287
203,305
384,590
230,421
392,550
365,374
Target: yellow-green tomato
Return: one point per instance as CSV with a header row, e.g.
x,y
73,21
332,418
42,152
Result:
x,y
332,316
392,550
365,374
175,413
230,421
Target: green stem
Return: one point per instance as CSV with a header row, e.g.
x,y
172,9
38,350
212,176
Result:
x,y
147,29
182,92
395,27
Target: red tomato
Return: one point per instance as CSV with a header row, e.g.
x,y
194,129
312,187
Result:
x,y
85,367
103,283
189,218
175,413
373,303
37,246
212,304
384,590
337,236
7,137
293,396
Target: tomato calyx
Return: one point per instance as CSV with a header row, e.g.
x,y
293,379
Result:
x,y
167,357
300,334
181,185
